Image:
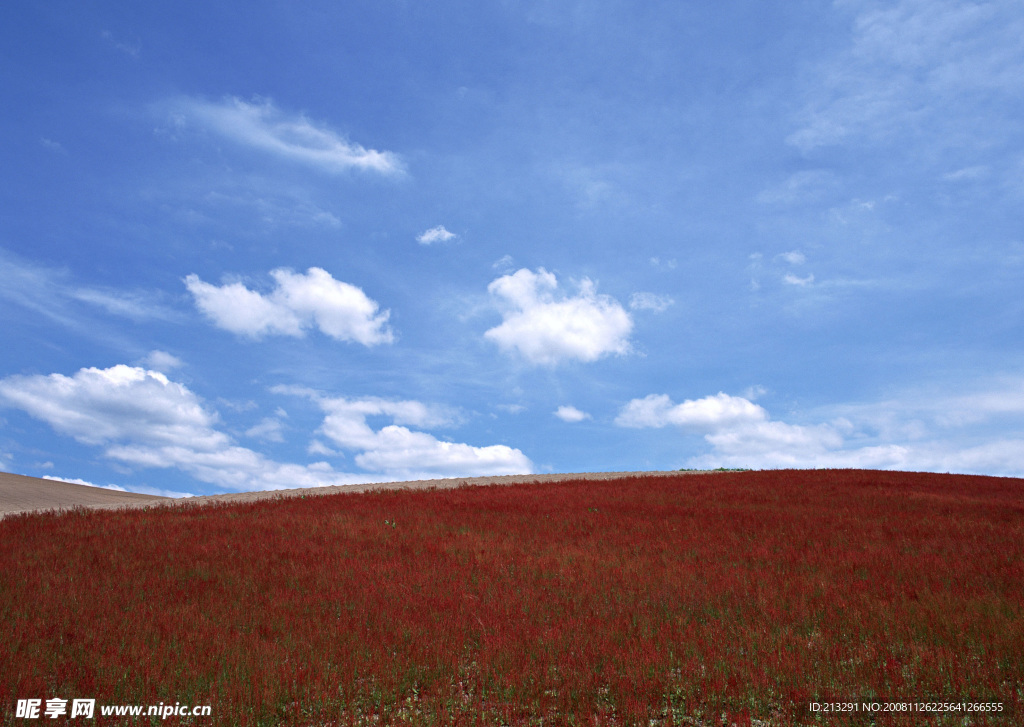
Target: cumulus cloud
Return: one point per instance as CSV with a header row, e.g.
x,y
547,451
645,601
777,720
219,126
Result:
x,y
547,328
300,301
261,125
571,414
709,413
96,406
926,433
435,234
406,454
143,419
738,430
402,453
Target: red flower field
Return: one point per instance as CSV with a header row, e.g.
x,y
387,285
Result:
x,y
776,597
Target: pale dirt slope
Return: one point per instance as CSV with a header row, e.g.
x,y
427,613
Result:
x,y
19,493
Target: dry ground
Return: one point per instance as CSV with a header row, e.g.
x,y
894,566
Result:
x,y
19,493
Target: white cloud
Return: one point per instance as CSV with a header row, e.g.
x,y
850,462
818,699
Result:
x,y
319,448
738,430
435,234
780,443
547,329
268,429
754,392
709,413
571,414
143,419
162,361
407,454
650,301
77,481
401,453
139,488
96,406
971,433
263,126
794,257
1000,400
340,310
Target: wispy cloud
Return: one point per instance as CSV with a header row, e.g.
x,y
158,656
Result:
x,y
131,47
967,174
162,361
803,282
54,146
807,186
651,302
261,125
54,294
299,301
272,204
918,67
546,328
268,429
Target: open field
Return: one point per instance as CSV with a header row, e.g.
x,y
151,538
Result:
x,y
669,599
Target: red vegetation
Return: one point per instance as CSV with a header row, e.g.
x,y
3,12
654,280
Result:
x,y
673,599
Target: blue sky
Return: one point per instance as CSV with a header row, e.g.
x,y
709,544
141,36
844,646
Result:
x,y
262,245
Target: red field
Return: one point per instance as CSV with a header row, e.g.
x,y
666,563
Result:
x,y
677,600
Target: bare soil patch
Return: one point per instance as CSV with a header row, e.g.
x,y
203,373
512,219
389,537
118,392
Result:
x,y
19,493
